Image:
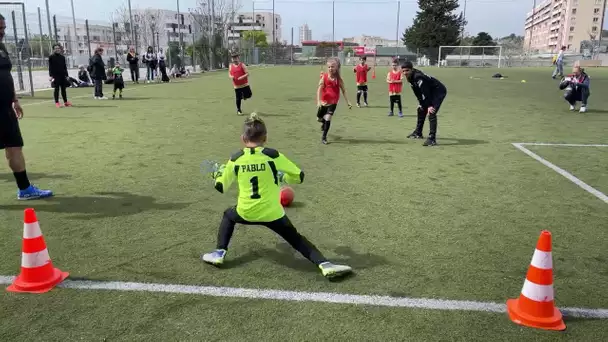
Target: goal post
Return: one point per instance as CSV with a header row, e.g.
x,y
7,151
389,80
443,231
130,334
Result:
x,y
487,56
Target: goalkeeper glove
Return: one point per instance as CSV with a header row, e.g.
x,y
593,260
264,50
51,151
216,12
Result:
x,y
218,172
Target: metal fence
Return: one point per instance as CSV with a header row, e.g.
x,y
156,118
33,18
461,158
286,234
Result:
x,y
16,42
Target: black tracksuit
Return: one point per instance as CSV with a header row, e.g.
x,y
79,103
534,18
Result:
x,y
430,93
58,70
133,66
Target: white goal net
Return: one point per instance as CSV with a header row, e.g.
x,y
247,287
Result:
x,y
470,56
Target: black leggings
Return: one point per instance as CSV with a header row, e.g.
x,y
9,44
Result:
x,y
64,95
282,227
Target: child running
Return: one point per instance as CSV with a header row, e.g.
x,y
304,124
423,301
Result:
x,y
119,82
239,75
259,171
395,85
361,71
328,95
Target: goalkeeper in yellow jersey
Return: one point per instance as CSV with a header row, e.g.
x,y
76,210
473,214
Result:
x,y
259,171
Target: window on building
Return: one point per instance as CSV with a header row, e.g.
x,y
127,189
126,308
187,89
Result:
x,y
594,29
595,20
571,28
596,11
574,11
570,38
598,2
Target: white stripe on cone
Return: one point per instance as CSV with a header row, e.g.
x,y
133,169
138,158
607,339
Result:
x,y
31,230
37,259
542,260
538,293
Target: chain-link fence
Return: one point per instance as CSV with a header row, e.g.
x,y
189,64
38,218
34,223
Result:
x,y
16,42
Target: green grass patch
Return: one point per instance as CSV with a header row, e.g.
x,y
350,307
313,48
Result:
x,y
459,221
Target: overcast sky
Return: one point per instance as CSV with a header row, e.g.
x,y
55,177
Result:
x,y
352,18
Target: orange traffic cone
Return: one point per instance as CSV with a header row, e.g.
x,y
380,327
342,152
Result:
x,y
37,272
535,308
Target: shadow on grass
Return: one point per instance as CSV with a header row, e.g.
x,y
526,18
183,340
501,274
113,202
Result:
x,y
296,204
102,205
285,255
33,176
461,142
94,106
126,97
262,115
598,111
356,141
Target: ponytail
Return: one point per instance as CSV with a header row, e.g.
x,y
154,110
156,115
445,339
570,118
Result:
x,y
338,76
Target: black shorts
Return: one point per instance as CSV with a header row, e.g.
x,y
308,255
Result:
x,y
243,93
362,87
119,84
10,133
329,109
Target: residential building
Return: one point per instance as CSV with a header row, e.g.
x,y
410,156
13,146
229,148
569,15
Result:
x,y
364,40
257,21
77,44
167,26
556,23
305,33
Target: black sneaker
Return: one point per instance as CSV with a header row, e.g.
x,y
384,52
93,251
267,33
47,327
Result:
x,y
415,135
430,142
113,97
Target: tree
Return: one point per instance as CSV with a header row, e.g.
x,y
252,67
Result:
x,y
147,26
41,46
512,46
258,38
122,27
434,25
483,39
213,19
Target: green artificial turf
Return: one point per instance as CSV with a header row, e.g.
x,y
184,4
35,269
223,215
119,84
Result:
x,y
457,221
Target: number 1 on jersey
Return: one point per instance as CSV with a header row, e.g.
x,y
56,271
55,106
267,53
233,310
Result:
x,y
255,188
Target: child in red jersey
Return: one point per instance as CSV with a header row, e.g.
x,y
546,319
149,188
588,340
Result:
x,y
239,75
395,86
361,71
328,95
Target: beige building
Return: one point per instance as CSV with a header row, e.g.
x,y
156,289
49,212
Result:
x,y
556,23
370,41
263,22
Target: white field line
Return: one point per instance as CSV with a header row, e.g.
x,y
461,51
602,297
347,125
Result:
x,y
323,297
563,172
564,145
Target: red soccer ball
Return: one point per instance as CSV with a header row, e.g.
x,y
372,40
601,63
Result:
x,y
287,195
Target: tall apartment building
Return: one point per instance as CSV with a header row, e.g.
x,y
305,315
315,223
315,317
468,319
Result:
x,y
556,23
305,33
258,21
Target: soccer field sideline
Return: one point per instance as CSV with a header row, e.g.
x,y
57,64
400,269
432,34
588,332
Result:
x,y
300,296
213,73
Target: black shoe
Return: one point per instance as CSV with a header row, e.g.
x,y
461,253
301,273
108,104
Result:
x,y
430,142
415,135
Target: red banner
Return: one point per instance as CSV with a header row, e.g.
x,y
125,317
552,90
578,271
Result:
x,y
364,50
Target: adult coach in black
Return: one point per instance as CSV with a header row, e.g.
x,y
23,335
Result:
x,y
430,94
10,134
